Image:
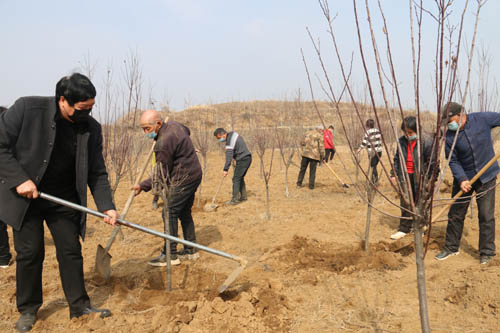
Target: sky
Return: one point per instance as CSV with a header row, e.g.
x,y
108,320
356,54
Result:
x,y
200,52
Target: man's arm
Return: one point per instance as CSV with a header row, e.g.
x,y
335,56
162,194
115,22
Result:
x,y
455,166
11,122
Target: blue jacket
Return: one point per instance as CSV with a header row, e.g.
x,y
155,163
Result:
x,y
474,147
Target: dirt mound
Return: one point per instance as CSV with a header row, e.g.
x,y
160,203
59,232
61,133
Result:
x,y
305,253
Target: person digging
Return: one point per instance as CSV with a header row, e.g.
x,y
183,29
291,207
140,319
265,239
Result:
x,y
235,148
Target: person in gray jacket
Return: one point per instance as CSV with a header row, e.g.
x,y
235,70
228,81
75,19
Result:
x,y
235,148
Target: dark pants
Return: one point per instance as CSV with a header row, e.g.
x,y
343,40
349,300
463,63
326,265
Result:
x,y
312,171
375,158
405,225
486,213
239,187
329,153
179,208
64,225
5,255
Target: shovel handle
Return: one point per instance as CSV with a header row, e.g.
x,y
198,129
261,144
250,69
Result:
x,y
124,212
472,181
139,227
218,189
335,174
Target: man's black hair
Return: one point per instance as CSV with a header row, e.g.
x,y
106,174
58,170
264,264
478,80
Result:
x,y
370,123
75,88
409,123
331,126
219,131
2,109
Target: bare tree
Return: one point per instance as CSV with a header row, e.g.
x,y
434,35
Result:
x,y
383,80
263,141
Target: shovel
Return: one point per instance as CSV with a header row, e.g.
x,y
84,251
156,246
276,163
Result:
x,y
102,256
211,206
335,174
473,180
222,288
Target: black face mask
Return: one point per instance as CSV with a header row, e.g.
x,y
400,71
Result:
x,y
80,116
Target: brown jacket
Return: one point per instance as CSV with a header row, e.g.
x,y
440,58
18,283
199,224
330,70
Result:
x,y
175,151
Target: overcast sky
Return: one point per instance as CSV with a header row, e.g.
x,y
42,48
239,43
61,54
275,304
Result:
x,y
198,52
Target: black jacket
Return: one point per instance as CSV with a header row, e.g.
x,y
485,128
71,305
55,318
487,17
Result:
x,y
27,134
426,143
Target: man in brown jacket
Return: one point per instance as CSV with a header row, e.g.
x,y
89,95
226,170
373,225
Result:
x,y
314,152
175,153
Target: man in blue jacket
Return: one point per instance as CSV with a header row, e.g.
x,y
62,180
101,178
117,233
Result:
x,y
473,150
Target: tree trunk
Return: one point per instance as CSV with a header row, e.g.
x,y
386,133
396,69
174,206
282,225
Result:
x,y
421,284
370,194
268,210
287,192
166,230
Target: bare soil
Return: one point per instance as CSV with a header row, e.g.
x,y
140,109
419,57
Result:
x,y
307,271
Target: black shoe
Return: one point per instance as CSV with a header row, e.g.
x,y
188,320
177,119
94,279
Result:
x,y
161,260
311,187
104,312
189,254
485,259
243,199
445,253
4,263
233,202
25,322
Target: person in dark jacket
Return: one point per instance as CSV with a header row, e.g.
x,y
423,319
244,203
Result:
x,y
5,255
408,148
52,144
472,151
235,148
176,156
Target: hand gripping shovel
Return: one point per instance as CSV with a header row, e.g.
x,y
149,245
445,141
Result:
x,y
211,206
335,174
102,257
225,284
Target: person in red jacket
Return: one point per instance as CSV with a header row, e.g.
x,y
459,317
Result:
x,y
329,147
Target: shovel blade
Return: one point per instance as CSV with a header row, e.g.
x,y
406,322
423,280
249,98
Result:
x,y
210,207
230,279
103,262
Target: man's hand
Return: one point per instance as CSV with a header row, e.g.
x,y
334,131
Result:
x,y
393,181
28,190
137,189
357,151
224,173
465,186
112,216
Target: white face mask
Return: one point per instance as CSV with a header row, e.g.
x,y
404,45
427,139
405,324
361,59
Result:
x,y
453,126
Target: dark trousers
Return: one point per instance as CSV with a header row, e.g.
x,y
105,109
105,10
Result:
x,y
405,225
64,225
329,153
375,158
486,214
179,208
312,171
4,243
239,187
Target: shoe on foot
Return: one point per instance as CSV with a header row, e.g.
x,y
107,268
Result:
x,y
25,322
188,254
243,199
89,310
4,263
398,235
161,260
485,259
299,185
232,202
445,253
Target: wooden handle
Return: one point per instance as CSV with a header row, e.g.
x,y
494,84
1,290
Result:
x,y
473,180
131,196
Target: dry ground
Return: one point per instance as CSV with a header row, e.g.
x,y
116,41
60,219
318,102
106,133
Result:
x,y
306,271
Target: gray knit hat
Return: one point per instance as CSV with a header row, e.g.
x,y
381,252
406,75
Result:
x,y
449,110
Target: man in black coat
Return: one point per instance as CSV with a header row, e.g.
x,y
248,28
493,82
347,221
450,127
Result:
x,y
52,144
5,255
